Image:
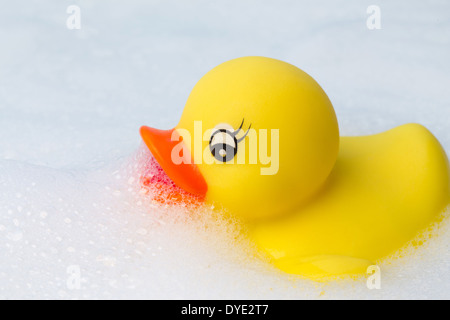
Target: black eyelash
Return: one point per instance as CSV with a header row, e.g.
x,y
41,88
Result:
x,y
248,130
239,129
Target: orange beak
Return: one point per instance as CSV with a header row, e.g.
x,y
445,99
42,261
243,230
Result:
x,y
185,175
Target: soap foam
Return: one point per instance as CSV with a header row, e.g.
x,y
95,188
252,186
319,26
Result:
x,y
127,246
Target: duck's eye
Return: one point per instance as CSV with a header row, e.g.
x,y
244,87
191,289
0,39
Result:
x,y
223,145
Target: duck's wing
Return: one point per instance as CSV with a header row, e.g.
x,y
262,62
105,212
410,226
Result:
x,y
383,191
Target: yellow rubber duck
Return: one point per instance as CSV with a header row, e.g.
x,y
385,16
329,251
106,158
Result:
x,y
318,205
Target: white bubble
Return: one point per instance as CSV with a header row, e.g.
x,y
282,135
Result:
x,y
142,231
15,236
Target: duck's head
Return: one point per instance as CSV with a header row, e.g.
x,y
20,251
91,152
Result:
x,y
279,163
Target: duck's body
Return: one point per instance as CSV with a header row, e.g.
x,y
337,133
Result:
x,y
332,205
383,190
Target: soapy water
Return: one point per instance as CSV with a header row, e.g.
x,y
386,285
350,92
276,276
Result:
x,y
84,210
107,225
102,234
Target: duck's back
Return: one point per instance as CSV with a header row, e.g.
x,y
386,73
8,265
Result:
x,y
383,191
